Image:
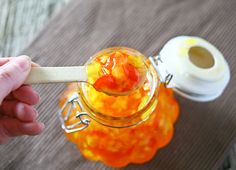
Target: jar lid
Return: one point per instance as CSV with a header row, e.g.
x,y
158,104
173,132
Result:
x,y
193,67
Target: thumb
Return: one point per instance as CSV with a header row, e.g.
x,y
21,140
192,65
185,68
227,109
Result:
x,y
13,74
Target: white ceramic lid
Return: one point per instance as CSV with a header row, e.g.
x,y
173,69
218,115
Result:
x,y
200,71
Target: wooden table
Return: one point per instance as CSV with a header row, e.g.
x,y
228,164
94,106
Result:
x,y
22,20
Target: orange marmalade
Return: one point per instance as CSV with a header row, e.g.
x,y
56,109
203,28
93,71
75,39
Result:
x,y
117,147
117,70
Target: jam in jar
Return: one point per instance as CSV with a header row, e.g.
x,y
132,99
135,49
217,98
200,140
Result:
x,y
120,129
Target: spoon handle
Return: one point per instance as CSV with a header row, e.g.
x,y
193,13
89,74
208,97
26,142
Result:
x,y
56,74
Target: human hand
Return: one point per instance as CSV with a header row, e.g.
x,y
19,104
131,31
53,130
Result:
x,y
17,114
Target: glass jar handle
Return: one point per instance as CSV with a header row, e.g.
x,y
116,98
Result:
x,y
71,104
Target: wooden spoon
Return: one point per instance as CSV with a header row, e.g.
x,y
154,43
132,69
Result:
x,y
57,75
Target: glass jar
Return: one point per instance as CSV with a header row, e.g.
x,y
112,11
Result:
x,y
119,130
130,129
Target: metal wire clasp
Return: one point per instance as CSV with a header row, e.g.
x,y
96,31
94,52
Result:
x,y
159,66
82,116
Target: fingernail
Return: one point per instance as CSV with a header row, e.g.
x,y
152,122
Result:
x,y
21,114
37,95
36,112
24,62
26,113
33,128
35,64
41,125
21,109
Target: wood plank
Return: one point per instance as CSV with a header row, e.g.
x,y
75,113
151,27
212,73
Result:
x,y
21,21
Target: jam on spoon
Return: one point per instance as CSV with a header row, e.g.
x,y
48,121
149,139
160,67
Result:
x,y
119,72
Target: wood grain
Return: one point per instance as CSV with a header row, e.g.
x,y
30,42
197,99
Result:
x,y
21,21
